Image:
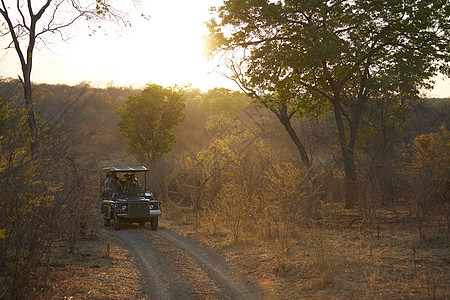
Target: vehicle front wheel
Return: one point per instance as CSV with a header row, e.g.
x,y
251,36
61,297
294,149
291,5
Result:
x,y
141,223
116,224
106,222
154,223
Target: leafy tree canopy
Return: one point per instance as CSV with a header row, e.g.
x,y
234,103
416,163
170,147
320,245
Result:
x,y
313,55
222,100
148,119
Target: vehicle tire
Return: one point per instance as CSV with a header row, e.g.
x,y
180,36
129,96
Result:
x,y
106,222
116,224
141,224
154,223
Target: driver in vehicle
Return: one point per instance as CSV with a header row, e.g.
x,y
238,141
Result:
x,y
107,180
115,184
112,186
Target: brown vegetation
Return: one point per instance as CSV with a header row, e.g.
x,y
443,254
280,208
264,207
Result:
x,y
343,260
99,269
339,261
234,181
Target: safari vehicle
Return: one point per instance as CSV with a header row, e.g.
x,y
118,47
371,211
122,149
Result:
x,y
127,201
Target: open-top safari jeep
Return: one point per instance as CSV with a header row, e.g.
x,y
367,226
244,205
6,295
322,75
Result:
x,y
125,200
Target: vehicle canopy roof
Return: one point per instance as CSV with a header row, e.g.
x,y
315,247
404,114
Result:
x,y
125,169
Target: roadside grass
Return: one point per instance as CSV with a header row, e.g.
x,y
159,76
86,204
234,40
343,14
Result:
x,y
344,260
100,268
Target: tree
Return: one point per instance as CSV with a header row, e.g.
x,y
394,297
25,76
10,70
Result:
x,y
332,55
28,22
222,100
148,119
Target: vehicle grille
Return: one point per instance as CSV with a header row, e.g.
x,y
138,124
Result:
x,y
138,210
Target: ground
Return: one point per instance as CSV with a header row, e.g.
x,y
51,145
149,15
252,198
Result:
x,y
334,262
345,260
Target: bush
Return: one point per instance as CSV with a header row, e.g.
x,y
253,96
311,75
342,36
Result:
x,y
235,206
427,172
296,194
43,199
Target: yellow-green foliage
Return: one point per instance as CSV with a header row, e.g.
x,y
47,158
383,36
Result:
x,y
219,159
430,157
295,192
428,166
220,124
226,156
235,205
42,199
230,170
284,181
428,175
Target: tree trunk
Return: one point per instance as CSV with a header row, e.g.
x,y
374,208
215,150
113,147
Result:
x,y
29,108
348,156
351,177
348,149
26,62
285,119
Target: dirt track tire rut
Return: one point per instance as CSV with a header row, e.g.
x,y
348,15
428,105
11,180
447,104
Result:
x,y
174,267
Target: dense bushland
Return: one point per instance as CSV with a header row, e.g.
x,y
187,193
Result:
x,y
246,179
234,171
45,199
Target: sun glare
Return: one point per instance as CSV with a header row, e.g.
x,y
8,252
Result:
x,y
166,50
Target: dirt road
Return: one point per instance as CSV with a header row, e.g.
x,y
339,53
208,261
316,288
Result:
x,y
174,267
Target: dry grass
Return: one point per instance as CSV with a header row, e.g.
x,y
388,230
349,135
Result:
x,y
100,269
336,262
343,261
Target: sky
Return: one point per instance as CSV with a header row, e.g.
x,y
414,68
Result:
x,y
166,50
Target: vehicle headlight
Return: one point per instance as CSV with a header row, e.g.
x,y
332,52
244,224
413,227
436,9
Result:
x,y
124,207
148,194
151,206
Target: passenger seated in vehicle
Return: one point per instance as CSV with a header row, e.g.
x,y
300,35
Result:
x,y
134,185
126,183
133,180
115,185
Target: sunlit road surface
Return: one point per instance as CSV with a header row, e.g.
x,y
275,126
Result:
x,y
174,267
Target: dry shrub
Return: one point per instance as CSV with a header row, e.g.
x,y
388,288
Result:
x,y
234,205
283,248
428,173
294,193
324,253
44,198
90,273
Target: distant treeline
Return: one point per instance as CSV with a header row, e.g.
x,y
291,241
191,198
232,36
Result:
x,y
88,115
